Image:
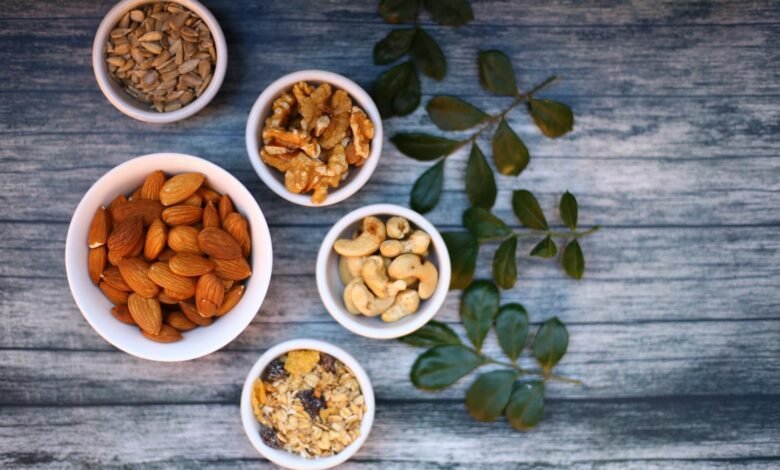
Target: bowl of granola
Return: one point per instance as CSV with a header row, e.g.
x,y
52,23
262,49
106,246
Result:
x,y
314,137
307,404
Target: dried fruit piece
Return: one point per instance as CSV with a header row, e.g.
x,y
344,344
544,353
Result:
x,y
122,313
312,403
238,228
112,276
156,237
328,362
274,371
147,209
190,264
116,296
192,314
217,243
184,239
232,297
176,286
96,263
146,313
135,272
98,229
126,237
209,294
301,361
180,187
236,269
180,321
182,214
269,437
211,216
258,396
152,185
167,334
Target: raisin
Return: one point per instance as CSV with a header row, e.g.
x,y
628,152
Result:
x,y
311,403
268,435
274,371
328,362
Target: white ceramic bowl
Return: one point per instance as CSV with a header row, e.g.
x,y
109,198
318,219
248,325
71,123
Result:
x,y
129,105
331,288
96,308
272,177
282,457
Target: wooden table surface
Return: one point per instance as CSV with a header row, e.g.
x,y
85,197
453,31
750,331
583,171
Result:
x,y
675,328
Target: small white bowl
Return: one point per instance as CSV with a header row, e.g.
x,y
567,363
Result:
x,y
96,308
331,288
273,178
129,105
282,457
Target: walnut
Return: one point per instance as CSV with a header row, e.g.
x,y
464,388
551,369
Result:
x,y
314,105
362,133
302,90
279,161
340,108
282,107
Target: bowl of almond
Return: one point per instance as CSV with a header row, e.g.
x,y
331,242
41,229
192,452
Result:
x,y
168,257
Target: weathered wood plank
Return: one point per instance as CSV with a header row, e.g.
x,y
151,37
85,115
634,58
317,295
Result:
x,y
573,432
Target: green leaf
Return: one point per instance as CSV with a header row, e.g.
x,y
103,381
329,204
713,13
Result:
x,y
496,74
394,45
512,329
454,114
424,147
487,397
505,263
483,224
450,12
545,248
568,210
463,249
550,343
526,406
509,152
441,366
573,261
480,182
554,119
428,55
427,188
397,91
399,11
478,308
527,210
431,334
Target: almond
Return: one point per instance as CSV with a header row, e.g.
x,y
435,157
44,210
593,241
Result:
x,y
147,209
166,255
167,334
146,313
96,262
122,313
126,236
218,243
116,202
113,258
180,187
209,195
98,229
152,185
225,206
228,284
190,265
173,294
156,237
113,278
184,239
236,269
194,200
237,227
182,214
232,297
180,321
176,286
209,294
135,272
135,195
192,314
211,216
116,296
167,299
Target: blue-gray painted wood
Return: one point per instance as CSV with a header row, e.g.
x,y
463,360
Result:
x,y
675,328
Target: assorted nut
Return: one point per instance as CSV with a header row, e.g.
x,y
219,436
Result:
x,y
384,269
167,258
162,54
313,136
308,403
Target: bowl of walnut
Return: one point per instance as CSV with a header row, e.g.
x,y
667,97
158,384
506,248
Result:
x,y
159,61
314,137
307,405
168,257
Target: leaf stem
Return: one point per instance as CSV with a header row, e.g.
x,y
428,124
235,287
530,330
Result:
x,y
545,83
554,234
521,371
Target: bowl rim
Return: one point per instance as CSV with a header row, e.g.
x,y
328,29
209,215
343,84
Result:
x,y
428,308
126,103
282,457
83,213
268,174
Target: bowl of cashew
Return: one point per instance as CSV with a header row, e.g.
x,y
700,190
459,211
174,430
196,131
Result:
x,y
383,271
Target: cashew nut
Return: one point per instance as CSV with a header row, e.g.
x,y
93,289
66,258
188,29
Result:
x,y
417,243
374,275
351,308
406,303
368,304
368,242
398,227
344,273
409,265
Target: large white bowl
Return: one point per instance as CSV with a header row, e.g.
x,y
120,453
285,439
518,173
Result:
x,y
282,457
273,178
129,105
96,308
331,288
